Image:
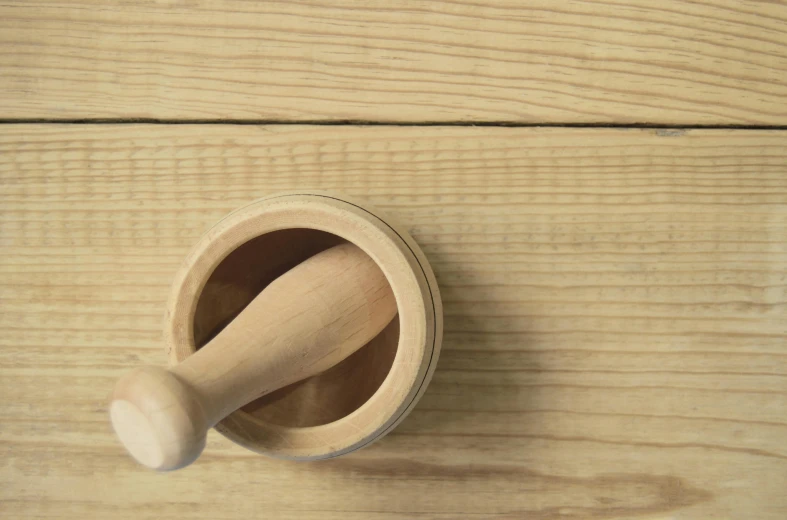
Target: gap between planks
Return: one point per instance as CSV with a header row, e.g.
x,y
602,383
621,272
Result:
x,y
364,122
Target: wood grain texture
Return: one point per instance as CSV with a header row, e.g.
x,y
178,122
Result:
x,y
614,300
622,61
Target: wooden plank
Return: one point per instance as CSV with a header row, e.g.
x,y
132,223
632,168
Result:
x,y
615,319
593,61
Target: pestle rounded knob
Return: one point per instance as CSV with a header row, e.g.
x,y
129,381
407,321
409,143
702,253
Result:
x,y
303,323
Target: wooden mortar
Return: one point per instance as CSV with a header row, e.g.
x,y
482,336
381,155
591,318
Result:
x,y
363,397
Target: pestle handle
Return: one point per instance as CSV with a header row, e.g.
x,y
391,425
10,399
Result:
x,y
303,323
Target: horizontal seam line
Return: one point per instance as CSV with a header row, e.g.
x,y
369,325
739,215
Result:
x,y
365,122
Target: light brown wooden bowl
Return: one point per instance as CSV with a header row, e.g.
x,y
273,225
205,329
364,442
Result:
x,y
357,401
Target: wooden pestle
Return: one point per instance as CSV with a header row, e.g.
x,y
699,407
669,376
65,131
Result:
x,y
303,323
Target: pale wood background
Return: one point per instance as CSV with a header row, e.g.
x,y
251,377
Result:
x,y
599,61
616,325
615,319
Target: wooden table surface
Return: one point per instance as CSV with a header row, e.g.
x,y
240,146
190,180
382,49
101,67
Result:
x,y
615,297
